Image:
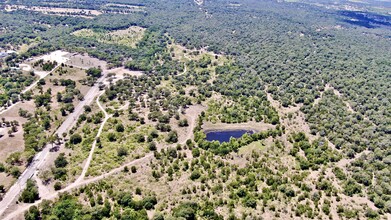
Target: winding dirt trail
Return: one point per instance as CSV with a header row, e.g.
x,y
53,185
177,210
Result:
x,y
185,69
192,114
20,210
41,159
87,164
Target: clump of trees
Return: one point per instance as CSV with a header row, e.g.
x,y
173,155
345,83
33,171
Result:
x,y
30,193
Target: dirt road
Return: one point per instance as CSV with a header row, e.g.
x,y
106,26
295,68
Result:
x,y
39,160
192,114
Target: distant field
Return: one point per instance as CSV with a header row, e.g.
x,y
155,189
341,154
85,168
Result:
x,y
57,11
128,37
76,12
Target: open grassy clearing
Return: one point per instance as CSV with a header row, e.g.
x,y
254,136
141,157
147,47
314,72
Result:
x,y
84,61
14,143
225,110
85,13
119,147
171,180
258,146
127,37
184,54
251,125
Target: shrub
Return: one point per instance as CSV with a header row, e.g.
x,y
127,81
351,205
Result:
x,y
111,136
351,187
195,152
2,167
172,137
57,186
15,172
75,139
121,151
183,123
120,128
250,202
152,146
195,175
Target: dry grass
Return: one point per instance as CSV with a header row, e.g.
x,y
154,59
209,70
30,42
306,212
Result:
x,y
13,144
56,11
84,61
127,37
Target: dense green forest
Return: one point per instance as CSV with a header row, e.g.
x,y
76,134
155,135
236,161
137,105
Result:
x,y
337,73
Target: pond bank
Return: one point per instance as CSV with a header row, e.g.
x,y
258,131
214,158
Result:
x,y
252,126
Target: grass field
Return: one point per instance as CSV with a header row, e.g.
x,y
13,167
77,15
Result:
x,y
127,37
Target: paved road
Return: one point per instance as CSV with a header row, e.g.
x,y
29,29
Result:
x,y
40,158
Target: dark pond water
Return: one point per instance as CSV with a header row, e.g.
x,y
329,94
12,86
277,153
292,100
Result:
x,y
366,19
224,136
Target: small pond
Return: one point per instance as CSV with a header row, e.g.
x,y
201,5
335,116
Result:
x,y
224,136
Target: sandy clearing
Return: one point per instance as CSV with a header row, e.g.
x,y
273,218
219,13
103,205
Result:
x,y
59,56
121,73
191,115
84,61
25,67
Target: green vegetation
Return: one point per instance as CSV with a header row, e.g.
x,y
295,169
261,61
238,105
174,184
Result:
x,y
322,85
30,194
127,37
11,85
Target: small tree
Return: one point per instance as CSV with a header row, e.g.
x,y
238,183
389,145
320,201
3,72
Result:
x,y
57,186
61,161
172,137
111,136
30,194
152,146
75,139
32,213
120,128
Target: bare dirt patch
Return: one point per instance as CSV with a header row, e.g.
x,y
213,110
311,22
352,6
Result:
x,y
191,114
84,61
13,144
59,56
122,73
